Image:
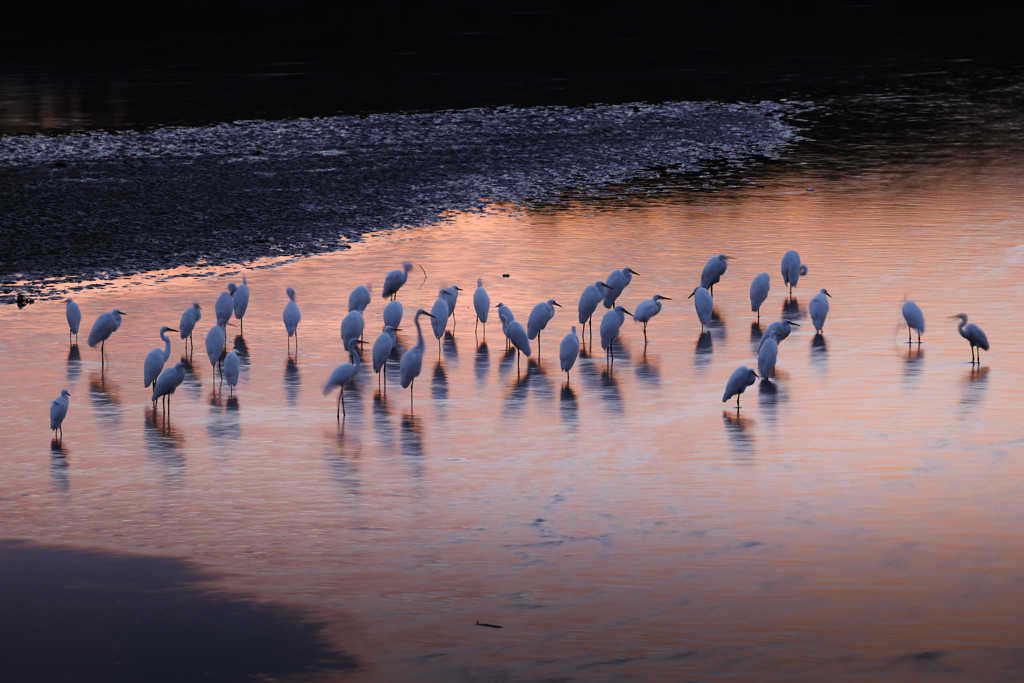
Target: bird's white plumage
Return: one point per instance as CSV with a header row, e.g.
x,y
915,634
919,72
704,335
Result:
x,y
792,269
713,271
440,312
780,329
59,410
517,335
359,299
241,298
611,323
412,360
481,301
615,283
767,355
569,351
818,309
382,348
105,325
224,307
169,380
704,305
451,297
215,339
741,378
291,313
74,316
156,358
189,318
541,314
759,291
393,314
914,316
231,368
589,300
344,373
351,327
394,280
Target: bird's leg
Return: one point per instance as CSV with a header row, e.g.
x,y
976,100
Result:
x,y
645,334
343,398
918,337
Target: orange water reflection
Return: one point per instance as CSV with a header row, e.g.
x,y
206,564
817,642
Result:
x,y
859,518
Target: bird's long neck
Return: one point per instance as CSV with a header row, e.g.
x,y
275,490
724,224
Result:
x,y
963,323
419,331
355,358
167,346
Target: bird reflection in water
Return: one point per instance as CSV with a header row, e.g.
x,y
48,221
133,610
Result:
x,y
382,422
439,385
702,352
222,423
74,364
738,428
610,387
192,384
819,352
343,465
59,466
482,362
755,336
568,406
717,325
411,436
243,350
164,444
791,309
913,363
769,396
449,348
103,394
975,385
292,379
508,360
647,369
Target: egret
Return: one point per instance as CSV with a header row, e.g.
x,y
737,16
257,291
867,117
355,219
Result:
x,y
781,330
58,411
343,374
439,319
393,315
973,334
741,378
224,306
215,345
351,327
482,304
517,335
589,300
615,283
505,315
74,316
156,358
647,310
610,324
792,269
105,326
818,308
231,370
915,319
412,360
189,318
291,318
382,351
394,280
169,380
568,351
359,299
767,355
759,292
713,271
241,300
538,320
450,296
704,304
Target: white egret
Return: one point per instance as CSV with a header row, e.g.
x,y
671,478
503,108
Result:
x,y
741,378
74,316
704,303
818,308
412,360
973,334
615,283
450,296
393,314
224,306
58,411
241,300
647,310
568,351
792,269
713,271
610,325
767,355
343,374
439,319
780,329
231,370
215,345
189,318
105,325
156,358
915,319
759,292
505,316
359,299
351,327
394,280
169,380
291,318
482,304
589,300
517,335
382,351
541,314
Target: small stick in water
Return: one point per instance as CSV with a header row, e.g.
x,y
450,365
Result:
x,y
488,625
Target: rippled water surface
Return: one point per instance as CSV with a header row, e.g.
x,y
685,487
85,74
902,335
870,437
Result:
x,y
857,519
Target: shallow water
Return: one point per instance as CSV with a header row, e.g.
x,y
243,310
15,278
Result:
x,y
858,517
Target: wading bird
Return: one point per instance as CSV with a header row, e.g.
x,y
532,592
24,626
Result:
x,y
351,327
189,318
359,299
589,300
541,314
615,283
767,355
393,315
169,380
610,325
759,292
741,378
156,358
973,334
394,280
568,351
343,374
713,271
382,351
74,316
915,319
780,329
647,310
818,308
58,411
292,317
792,269
517,336
482,304
505,316
241,301
215,339
439,319
450,296
224,307
231,370
105,325
412,360
705,304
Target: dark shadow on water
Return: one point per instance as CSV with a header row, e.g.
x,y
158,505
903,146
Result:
x,y
448,346
119,617
975,383
755,336
74,363
567,405
439,386
913,363
737,428
702,352
292,380
769,397
411,438
819,352
610,387
59,464
791,309
192,385
103,395
243,350
164,444
508,361
482,362
648,370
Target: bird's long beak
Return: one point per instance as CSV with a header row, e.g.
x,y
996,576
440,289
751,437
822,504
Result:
x,y
691,294
756,375
121,313
69,393
199,307
430,314
498,306
633,271
727,258
172,330
460,289
666,298
793,323
828,295
627,312
557,304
